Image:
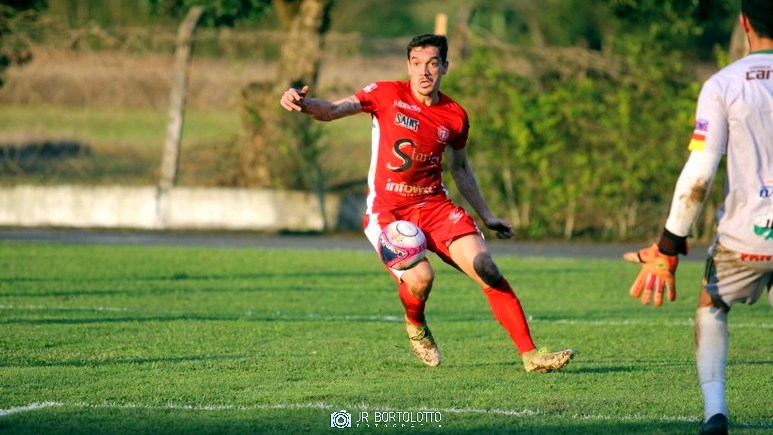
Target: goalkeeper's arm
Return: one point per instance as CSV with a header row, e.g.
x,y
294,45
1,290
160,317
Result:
x,y
692,189
659,261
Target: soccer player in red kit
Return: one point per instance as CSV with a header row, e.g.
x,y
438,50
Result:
x,y
413,125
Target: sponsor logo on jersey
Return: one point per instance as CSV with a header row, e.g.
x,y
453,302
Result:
x,y
370,87
763,72
405,189
698,139
403,157
407,122
405,152
766,190
763,226
403,105
756,257
442,134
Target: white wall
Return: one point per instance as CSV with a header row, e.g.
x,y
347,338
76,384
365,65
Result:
x,y
178,208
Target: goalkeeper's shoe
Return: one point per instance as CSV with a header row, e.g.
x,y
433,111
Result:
x,y
422,343
542,361
716,425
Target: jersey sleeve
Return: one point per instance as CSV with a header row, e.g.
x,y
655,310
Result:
x,y
368,97
710,133
461,140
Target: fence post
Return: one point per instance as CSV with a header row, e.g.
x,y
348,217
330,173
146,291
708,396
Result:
x,y
171,157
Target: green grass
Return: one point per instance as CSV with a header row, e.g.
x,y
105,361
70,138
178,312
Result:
x,y
101,127
126,339
117,145
125,145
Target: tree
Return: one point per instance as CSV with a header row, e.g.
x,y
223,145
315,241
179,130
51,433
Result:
x,y
279,151
14,49
283,151
216,13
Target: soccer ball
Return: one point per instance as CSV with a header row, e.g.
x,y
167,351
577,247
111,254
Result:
x,y
401,245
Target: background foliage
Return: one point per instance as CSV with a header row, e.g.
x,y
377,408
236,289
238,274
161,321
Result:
x,y
581,111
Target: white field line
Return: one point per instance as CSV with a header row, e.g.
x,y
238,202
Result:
x,y
55,308
360,407
399,319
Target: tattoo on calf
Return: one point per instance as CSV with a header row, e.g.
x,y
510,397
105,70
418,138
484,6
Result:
x,y
487,270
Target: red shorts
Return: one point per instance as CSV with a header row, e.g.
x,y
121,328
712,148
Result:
x,y
442,222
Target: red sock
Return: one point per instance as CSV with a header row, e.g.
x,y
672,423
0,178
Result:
x,y
507,310
414,308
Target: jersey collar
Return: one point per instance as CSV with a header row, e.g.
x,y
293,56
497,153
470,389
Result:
x,y
770,51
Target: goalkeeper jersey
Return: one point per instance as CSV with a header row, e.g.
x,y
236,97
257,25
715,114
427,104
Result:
x,y
407,144
734,116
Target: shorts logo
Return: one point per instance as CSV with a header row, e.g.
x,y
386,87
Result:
x,y
407,122
763,226
455,215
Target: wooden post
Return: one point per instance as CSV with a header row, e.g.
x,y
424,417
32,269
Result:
x,y
441,24
739,45
171,157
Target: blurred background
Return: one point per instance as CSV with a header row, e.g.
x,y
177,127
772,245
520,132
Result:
x,y
580,111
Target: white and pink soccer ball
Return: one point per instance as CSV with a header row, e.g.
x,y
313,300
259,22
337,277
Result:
x,y
401,245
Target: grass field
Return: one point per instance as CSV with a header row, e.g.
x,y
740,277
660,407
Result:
x,y
129,339
125,145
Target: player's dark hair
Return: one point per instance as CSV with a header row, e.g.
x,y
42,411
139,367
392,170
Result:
x,y
430,40
760,15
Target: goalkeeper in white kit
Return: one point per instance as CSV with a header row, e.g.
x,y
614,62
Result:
x,y
734,118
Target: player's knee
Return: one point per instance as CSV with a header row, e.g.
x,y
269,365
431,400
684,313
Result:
x,y
705,300
419,282
487,270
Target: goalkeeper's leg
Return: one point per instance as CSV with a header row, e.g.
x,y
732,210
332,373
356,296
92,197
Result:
x,y
711,343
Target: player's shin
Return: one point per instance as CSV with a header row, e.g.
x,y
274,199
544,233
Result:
x,y
509,313
711,337
414,307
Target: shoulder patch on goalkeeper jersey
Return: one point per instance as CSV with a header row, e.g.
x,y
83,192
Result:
x,y
698,139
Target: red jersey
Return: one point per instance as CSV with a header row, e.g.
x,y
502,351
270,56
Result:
x,y
408,141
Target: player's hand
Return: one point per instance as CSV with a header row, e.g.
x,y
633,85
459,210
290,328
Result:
x,y
503,228
292,99
656,275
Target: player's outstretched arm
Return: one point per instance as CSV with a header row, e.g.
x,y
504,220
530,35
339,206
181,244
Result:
x,y
659,261
295,100
467,184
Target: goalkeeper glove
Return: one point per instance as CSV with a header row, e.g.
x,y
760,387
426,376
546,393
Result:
x,y
658,269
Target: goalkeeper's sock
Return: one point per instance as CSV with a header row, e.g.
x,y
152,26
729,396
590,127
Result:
x,y
711,340
414,307
508,312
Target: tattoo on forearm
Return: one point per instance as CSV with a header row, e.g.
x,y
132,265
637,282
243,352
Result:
x,y
347,106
